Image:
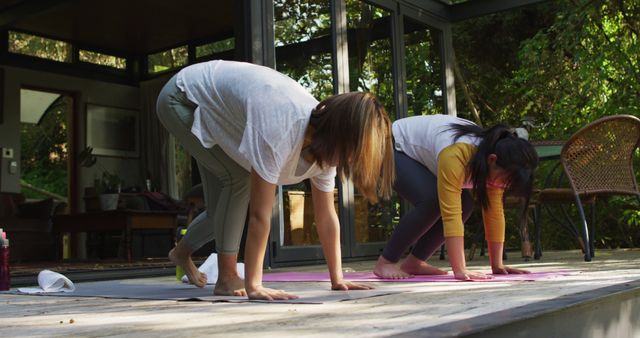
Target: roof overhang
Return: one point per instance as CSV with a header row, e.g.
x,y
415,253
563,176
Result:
x,y
140,27
122,27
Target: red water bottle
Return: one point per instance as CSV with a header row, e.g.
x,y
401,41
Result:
x,y
5,277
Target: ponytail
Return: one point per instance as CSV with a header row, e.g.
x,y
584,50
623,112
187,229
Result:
x,y
517,156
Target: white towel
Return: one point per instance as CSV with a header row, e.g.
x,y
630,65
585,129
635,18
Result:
x,y
50,281
210,268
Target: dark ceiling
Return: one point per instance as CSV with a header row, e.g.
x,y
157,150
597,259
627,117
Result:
x,y
140,27
126,27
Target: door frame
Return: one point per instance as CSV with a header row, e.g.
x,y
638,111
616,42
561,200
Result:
x,y
72,142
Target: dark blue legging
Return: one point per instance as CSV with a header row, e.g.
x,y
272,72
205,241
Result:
x,y
422,225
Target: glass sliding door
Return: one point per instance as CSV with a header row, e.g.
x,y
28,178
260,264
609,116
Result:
x,y
424,68
393,52
371,69
303,51
302,37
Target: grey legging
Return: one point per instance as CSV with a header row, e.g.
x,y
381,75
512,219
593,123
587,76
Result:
x,y
224,182
422,225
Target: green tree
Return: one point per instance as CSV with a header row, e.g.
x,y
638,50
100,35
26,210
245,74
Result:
x,y
44,150
565,63
584,66
486,51
303,44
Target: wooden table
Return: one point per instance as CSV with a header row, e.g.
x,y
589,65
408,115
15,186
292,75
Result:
x,y
548,150
115,220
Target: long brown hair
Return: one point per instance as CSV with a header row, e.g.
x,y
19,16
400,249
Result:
x,y
353,132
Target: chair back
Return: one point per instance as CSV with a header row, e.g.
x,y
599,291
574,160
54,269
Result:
x,y
599,157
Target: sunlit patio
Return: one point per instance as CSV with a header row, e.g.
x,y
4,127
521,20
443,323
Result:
x,y
65,66
594,299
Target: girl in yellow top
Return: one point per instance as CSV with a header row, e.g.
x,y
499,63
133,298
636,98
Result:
x,y
438,158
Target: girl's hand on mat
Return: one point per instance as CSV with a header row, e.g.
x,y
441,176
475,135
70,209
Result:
x,y
345,285
260,292
469,275
505,270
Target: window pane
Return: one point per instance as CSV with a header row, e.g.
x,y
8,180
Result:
x,y
370,69
169,59
301,20
375,222
215,47
103,59
423,59
370,56
303,44
303,52
45,144
32,45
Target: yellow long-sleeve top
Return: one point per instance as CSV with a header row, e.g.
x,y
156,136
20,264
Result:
x,y
452,178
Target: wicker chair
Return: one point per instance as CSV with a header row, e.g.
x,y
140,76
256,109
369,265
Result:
x,y
597,160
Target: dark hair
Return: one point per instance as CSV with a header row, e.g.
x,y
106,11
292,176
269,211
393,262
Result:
x,y
515,155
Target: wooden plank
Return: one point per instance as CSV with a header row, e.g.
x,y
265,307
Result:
x,y
426,309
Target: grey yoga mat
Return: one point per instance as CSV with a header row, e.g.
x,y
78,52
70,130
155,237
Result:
x,y
311,293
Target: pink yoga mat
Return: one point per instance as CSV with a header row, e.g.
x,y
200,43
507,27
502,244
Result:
x,y
370,277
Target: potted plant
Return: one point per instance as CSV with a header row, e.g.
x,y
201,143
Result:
x,y
105,193
108,189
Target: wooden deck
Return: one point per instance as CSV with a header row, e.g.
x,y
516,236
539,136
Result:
x,y
601,300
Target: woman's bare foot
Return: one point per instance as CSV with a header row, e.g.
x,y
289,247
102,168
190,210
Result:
x,y
229,285
183,258
416,266
390,270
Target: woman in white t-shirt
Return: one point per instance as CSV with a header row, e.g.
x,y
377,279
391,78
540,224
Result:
x,y
251,128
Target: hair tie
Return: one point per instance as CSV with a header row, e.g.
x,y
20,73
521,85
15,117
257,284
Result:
x,y
521,133
507,132
318,110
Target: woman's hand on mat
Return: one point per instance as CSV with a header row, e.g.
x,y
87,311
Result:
x,y
505,270
345,285
260,292
469,275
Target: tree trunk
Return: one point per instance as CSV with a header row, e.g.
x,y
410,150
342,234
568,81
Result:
x,y
465,91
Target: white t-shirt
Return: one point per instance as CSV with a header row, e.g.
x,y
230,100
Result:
x,y
258,117
422,138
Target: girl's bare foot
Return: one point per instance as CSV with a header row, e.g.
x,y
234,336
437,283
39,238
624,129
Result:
x,y
229,285
416,266
390,270
183,259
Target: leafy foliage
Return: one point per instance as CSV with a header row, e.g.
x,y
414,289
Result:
x,y
303,44
23,43
564,64
586,65
423,62
44,151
